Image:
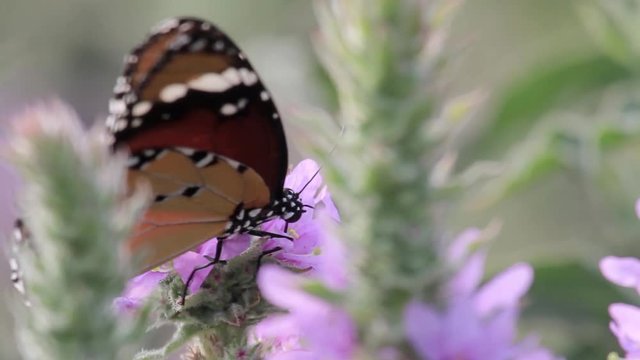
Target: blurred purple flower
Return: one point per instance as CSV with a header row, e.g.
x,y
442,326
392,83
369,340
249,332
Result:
x,y
313,328
478,322
623,271
625,324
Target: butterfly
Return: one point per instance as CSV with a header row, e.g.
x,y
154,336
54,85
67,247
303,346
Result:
x,y
203,132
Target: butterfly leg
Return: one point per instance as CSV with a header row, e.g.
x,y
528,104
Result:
x,y
212,261
265,253
261,233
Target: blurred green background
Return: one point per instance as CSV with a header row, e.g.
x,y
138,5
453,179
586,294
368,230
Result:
x,y
561,115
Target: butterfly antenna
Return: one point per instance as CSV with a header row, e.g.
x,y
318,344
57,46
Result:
x,y
320,168
310,180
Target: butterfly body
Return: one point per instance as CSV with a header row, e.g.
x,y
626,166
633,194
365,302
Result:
x,y
202,130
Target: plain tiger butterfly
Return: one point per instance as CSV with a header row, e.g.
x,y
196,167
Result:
x,y
202,130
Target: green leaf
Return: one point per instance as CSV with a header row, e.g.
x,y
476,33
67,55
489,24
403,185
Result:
x,y
527,99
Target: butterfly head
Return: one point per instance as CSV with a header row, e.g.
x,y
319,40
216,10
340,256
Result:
x,y
291,206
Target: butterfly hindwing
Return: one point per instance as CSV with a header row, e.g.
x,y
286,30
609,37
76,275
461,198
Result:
x,y
195,194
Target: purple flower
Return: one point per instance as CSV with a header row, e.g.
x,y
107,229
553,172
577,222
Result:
x,y
308,233
477,322
313,328
625,324
623,271
626,327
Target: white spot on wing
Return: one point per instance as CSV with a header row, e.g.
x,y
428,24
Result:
x,y
166,26
264,95
233,163
210,82
117,106
205,160
111,122
242,103
253,213
131,59
198,45
132,161
228,109
122,85
186,26
120,125
181,41
232,76
136,122
141,108
248,77
186,151
173,92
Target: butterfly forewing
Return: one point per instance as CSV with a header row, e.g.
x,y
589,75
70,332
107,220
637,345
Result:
x,y
189,85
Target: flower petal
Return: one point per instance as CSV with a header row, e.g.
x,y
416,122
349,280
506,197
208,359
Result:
x,y
282,288
233,246
422,326
466,280
331,266
626,325
138,288
623,271
505,289
463,333
328,331
301,176
461,245
185,265
144,284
